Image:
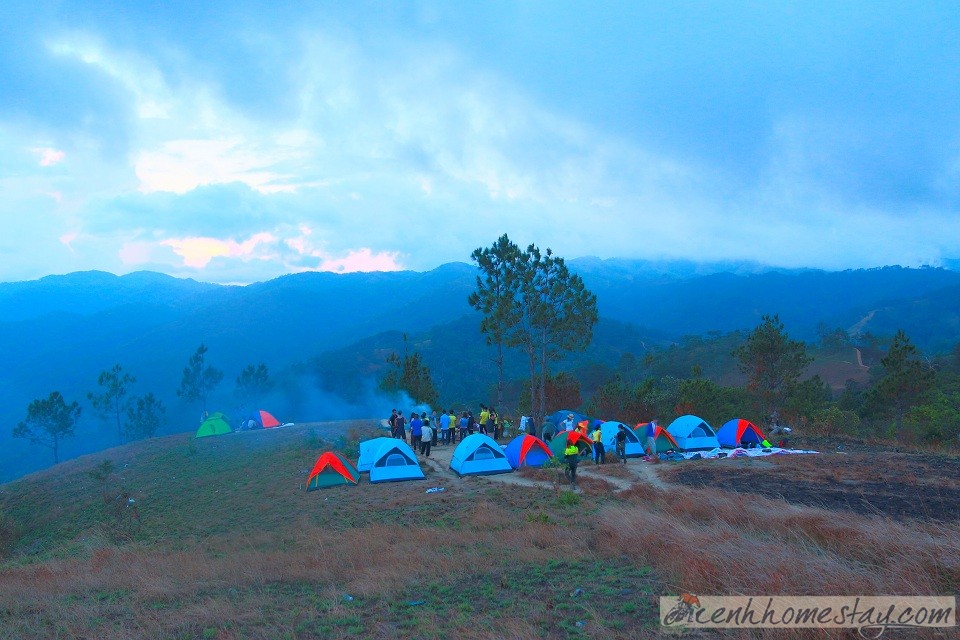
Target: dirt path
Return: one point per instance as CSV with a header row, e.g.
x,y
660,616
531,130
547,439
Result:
x,y
441,456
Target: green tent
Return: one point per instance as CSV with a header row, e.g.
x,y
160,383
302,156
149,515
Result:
x,y
216,424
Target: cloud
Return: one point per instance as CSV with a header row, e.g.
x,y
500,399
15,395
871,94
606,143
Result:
x,y
198,252
48,156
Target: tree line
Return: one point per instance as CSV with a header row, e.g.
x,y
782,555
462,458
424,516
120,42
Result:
x,y
51,419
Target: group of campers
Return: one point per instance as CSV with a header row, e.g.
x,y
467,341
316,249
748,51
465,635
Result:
x,y
443,427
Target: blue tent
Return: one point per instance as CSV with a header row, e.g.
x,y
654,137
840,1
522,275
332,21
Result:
x,y
395,461
527,451
693,434
635,446
559,416
479,455
368,452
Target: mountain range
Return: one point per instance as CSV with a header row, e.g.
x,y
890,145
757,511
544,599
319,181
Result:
x,y
59,332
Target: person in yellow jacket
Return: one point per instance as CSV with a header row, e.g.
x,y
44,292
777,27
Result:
x,y
571,454
599,454
484,416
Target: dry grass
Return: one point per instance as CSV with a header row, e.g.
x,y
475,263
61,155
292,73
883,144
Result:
x,y
713,542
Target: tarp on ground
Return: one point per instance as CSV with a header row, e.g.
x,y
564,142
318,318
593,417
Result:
x,y
479,455
559,442
395,461
332,470
634,446
661,438
527,451
737,432
216,424
692,433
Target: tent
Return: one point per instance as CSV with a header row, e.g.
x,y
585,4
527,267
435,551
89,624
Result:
x,y
559,442
635,444
557,417
693,434
261,420
368,452
738,432
395,461
216,424
661,438
527,450
479,454
332,470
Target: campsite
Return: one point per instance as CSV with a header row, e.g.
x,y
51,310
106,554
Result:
x,y
228,542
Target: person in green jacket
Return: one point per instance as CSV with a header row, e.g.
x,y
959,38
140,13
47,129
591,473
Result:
x,y
572,455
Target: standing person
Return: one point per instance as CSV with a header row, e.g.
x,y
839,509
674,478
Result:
x,y
392,421
426,438
451,435
482,421
464,426
434,422
650,432
444,427
401,424
567,425
416,430
622,444
599,455
571,455
471,423
492,425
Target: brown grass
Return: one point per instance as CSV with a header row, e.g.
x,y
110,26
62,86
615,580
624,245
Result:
x,y
714,542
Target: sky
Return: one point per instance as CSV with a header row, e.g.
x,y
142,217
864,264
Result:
x,y
239,141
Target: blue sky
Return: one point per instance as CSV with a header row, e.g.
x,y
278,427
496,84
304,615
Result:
x,y
238,141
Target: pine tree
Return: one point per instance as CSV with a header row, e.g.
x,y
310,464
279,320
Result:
x,y
198,379
110,403
48,422
773,364
904,382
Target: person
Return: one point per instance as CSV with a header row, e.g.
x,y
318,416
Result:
x,y
471,423
433,421
567,425
571,455
426,438
392,421
464,426
451,435
444,427
622,444
493,426
416,430
599,455
547,431
482,421
401,423
650,432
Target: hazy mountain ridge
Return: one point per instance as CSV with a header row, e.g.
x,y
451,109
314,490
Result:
x,y
58,333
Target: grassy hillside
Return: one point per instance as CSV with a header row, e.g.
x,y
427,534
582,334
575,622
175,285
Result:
x,y
228,545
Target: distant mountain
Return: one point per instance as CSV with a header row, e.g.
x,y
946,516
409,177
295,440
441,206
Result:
x,y
59,332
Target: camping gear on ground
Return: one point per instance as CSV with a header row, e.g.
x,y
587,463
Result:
x,y
527,451
216,424
395,461
332,470
478,455
692,433
739,432
635,442
559,443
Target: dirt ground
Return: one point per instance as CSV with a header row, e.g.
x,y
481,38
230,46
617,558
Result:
x,y
899,485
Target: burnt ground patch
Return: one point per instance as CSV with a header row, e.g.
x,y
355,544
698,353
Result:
x,y
914,486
